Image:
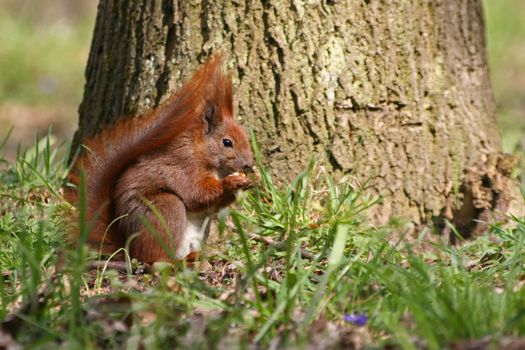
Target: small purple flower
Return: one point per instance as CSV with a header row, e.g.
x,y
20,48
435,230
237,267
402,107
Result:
x,y
357,319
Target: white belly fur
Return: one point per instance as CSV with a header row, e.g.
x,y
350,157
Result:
x,y
195,234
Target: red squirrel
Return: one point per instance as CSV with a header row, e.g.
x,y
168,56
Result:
x,y
186,158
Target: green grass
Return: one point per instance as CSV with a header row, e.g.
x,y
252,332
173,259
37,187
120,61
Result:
x,y
414,290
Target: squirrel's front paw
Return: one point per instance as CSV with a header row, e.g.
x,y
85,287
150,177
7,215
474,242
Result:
x,y
237,181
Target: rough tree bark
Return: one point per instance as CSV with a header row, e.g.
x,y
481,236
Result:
x,y
392,91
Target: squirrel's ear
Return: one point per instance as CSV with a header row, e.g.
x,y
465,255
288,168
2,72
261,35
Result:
x,y
210,117
218,91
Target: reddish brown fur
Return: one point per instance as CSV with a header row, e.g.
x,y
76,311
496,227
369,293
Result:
x,y
172,157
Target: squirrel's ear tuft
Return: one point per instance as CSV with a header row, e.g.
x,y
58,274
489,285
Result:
x,y
218,91
224,94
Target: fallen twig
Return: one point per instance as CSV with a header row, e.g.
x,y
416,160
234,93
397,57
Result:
x,y
120,266
281,246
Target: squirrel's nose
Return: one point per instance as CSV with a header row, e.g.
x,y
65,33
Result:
x,y
248,164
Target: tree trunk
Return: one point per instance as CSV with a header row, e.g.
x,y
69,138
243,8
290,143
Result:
x,y
394,92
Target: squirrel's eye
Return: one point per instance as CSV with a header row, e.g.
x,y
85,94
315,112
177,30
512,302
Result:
x,y
227,143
